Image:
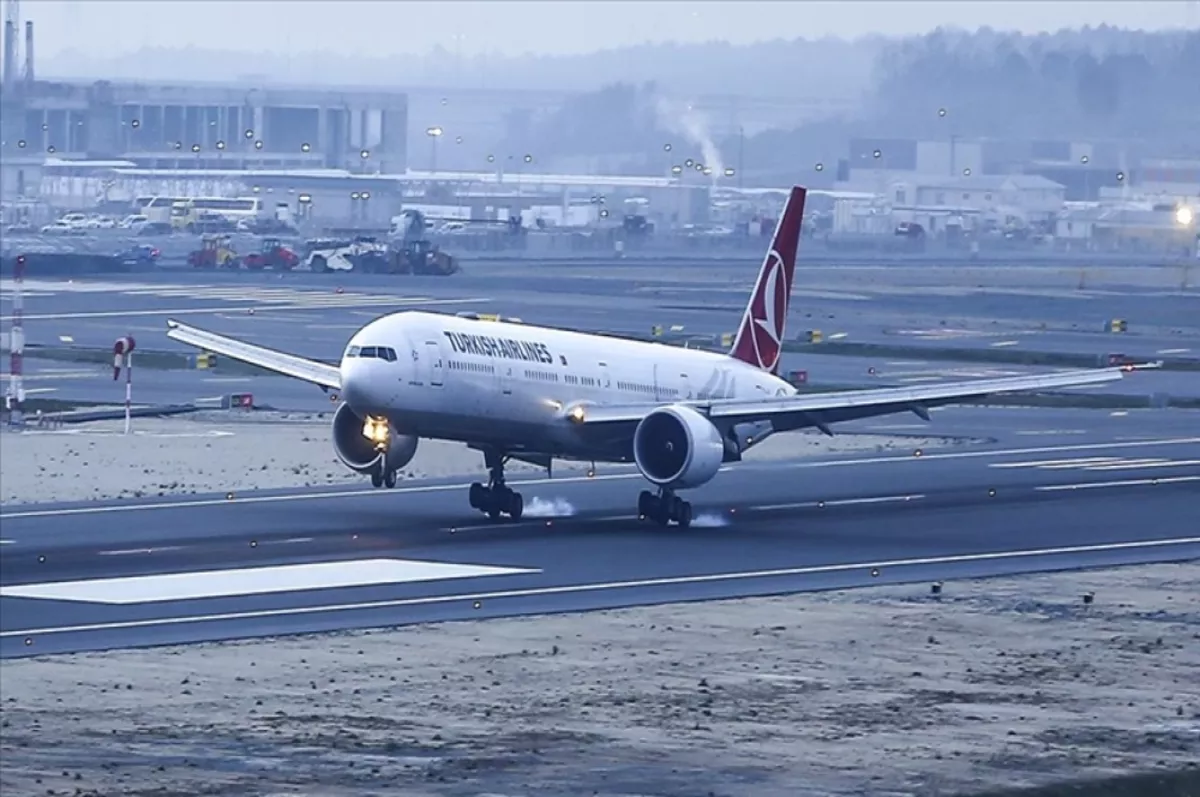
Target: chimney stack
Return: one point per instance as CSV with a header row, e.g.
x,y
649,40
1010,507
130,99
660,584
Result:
x,y
10,52
28,51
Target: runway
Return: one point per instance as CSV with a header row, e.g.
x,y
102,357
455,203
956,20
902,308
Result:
x,y
304,561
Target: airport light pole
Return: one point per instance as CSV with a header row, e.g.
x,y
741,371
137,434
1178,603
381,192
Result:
x,y
434,134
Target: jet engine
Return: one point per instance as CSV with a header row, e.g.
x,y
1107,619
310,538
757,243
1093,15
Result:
x,y
371,444
677,447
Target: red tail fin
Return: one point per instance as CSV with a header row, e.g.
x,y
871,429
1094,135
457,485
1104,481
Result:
x,y
759,339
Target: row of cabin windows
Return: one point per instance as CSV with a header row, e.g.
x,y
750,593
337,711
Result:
x,y
376,352
477,368
541,376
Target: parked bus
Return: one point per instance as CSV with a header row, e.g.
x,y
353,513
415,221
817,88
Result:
x,y
157,210
186,214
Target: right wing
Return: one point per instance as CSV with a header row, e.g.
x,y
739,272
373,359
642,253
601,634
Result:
x,y
318,373
802,410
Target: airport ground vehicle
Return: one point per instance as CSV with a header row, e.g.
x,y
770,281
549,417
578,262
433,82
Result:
x,y
273,255
195,213
362,253
140,255
215,252
422,257
535,394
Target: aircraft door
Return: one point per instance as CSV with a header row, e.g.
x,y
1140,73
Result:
x,y
505,373
435,368
685,388
605,381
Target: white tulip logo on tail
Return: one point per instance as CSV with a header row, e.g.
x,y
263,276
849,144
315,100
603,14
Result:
x,y
769,312
759,339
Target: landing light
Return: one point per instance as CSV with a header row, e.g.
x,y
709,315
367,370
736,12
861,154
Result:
x,y
376,430
1184,215
576,414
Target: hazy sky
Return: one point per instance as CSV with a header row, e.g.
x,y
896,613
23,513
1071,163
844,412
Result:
x,y
380,27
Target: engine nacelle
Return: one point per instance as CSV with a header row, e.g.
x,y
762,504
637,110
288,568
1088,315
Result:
x,y
370,445
676,446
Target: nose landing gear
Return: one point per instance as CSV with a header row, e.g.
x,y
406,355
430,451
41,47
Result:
x,y
496,498
664,508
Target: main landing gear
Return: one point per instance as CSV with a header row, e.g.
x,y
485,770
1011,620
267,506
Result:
x,y
387,479
664,507
497,498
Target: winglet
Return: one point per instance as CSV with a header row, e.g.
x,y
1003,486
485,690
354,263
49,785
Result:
x,y
759,339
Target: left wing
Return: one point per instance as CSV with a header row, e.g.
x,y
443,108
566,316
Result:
x,y
820,409
314,371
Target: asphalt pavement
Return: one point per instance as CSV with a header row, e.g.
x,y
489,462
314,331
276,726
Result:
x,y
1021,307
79,577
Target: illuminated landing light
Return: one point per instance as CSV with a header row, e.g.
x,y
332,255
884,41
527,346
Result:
x,y
874,572
576,414
917,453
1184,215
376,430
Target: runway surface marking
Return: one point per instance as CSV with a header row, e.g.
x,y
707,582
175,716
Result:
x,y
1121,483
395,301
433,488
873,568
1099,463
253,581
882,499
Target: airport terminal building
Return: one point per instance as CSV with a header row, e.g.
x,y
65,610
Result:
x,y
197,127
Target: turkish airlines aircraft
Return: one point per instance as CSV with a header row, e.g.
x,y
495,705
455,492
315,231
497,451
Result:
x,y
535,394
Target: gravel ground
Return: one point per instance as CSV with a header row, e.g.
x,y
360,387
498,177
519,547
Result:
x,y
1002,682
213,452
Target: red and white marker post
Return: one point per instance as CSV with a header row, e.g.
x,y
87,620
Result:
x,y
123,357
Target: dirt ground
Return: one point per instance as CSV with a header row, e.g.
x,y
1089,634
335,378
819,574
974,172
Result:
x,y
887,691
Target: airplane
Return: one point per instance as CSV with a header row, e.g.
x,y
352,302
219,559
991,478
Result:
x,y
515,391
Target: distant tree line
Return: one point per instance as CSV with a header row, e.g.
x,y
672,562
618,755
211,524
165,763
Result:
x,y
1091,83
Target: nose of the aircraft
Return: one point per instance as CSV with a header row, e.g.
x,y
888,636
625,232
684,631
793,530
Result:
x,y
356,384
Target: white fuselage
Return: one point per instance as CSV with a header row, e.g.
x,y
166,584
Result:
x,y
510,384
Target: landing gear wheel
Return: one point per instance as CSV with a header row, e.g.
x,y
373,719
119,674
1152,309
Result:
x,y
376,479
389,479
478,496
646,502
664,508
496,498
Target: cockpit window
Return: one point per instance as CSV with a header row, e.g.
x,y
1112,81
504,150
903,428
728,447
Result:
x,y
375,352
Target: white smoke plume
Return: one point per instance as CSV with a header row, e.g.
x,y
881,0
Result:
x,y
709,520
683,119
555,507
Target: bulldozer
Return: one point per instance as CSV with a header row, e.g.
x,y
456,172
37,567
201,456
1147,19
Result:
x,y
215,252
